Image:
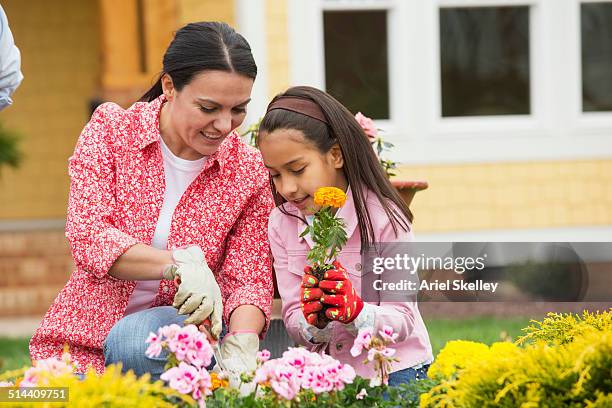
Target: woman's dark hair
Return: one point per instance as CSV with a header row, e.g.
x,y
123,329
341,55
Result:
x,y
361,166
203,46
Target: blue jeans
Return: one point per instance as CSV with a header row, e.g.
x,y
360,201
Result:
x,y
125,342
408,375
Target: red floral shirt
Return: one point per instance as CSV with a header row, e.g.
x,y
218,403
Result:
x,y
116,194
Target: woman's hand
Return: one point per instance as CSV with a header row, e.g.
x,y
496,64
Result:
x,y
340,293
198,293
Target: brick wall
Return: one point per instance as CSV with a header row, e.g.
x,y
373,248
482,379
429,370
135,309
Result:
x,y
34,266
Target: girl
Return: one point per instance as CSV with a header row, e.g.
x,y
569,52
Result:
x,y
309,140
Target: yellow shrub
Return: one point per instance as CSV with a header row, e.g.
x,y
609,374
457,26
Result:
x,y
550,374
111,389
562,328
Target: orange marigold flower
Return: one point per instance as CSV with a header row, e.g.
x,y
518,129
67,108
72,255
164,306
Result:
x,y
329,196
218,382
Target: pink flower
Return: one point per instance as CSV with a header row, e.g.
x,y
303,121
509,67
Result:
x,y
384,352
387,352
169,331
295,357
285,389
387,334
300,369
184,378
201,352
189,344
362,394
363,340
263,356
52,366
155,345
367,125
347,374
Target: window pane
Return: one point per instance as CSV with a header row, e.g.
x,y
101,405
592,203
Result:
x,y
596,57
484,55
356,60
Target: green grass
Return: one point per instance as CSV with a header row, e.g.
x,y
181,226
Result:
x,y
14,352
483,329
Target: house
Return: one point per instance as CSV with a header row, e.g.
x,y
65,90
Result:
x,y
503,106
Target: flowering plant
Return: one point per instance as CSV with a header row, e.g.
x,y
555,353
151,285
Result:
x,y
39,373
328,234
378,144
297,379
378,352
189,354
299,369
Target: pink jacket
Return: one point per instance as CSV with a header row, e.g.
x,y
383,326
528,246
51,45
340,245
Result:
x,y
289,252
116,193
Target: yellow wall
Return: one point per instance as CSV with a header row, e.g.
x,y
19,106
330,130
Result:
x,y
512,195
60,62
190,11
277,47
64,68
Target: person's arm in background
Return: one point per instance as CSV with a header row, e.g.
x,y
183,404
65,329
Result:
x,y
10,63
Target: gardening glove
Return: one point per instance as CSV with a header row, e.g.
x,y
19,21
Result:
x,y
339,292
238,355
198,293
310,297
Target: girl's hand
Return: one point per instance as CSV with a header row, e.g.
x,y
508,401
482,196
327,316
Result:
x,y
310,296
339,292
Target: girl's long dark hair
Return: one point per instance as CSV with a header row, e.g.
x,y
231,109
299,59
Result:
x,y
203,46
361,166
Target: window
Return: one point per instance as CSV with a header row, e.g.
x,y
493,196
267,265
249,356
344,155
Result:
x,y
356,63
596,30
464,81
484,59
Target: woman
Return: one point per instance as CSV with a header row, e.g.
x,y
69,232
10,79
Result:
x,y
169,172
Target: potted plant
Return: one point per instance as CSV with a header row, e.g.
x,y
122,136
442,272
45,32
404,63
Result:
x,y
406,188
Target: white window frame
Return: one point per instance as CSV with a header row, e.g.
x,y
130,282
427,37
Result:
x,y
487,124
250,18
584,122
556,129
307,63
